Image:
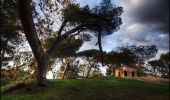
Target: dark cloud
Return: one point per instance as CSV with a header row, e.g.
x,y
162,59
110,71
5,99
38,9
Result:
x,y
161,40
154,13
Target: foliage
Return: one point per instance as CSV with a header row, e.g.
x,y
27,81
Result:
x,y
89,53
125,57
47,14
11,39
10,28
103,19
66,48
130,56
161,65
155,66
20,70
92,57
69,68
73,70
13,75
98,18
141,53
22,58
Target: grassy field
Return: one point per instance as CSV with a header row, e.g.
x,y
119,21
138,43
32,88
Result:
x,y
92,89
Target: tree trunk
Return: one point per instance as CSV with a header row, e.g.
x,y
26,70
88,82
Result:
x,y
53,74
25,12
2,57
154,70
88,72
167,70
100,46
83,73
65,71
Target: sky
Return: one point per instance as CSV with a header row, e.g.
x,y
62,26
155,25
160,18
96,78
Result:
x,y
145,22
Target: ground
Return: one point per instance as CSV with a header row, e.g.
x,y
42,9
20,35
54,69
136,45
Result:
x,y
93,89
152,79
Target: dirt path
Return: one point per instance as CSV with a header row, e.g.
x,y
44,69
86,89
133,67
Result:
x,y
152,79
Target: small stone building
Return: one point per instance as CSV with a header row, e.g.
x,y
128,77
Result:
x,y
125,71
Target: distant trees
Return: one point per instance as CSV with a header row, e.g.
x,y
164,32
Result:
x,y
136,56
155,66
103,19
20,69
161,65
92,57
10,29
13,74
128,55
112,59
140,53
131,56
119,58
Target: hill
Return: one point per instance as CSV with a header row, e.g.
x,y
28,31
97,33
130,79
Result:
x,y
92,89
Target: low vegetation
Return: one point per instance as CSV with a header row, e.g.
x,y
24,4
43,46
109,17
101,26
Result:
x,y
92,89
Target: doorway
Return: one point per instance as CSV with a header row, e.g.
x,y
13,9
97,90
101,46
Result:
x,y
119,74
133,74
125,73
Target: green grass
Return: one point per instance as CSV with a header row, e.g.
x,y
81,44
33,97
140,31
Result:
x,y
92,89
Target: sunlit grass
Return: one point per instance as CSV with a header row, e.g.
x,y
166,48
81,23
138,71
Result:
x,y
93,89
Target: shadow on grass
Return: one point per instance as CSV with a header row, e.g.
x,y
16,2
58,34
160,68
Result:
x,y
93,89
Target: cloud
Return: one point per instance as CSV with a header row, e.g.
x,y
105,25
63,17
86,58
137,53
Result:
x,y
146,22
152,13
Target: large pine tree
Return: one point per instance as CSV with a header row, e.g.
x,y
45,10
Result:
x,y
102,20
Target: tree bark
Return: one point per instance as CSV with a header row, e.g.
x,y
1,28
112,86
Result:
x,y
2,57
100,46
88,72
65,71
25,12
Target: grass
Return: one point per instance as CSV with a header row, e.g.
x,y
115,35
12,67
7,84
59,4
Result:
x,y
92,89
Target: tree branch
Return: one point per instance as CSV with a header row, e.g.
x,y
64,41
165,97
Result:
x,y
95,16
64,36
100,46
61,28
